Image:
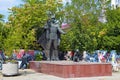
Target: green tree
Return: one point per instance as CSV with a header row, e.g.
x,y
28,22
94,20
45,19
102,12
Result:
x,y
1,31
85,32
1,17
25,20
112,38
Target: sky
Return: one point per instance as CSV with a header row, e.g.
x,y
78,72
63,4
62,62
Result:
x,y
5,4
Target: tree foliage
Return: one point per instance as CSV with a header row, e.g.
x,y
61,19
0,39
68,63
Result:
x,y
1,31
85,27
86,32
24,20
112,38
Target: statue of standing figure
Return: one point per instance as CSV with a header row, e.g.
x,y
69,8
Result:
x,y
52,38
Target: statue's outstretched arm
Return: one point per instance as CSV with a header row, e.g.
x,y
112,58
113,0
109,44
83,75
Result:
x,y
60,30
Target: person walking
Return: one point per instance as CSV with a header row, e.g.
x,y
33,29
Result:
x,y
23,64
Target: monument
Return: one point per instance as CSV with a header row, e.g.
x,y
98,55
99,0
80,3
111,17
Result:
x,y
50,39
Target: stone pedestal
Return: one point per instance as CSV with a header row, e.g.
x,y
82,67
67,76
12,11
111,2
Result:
x,y
69,69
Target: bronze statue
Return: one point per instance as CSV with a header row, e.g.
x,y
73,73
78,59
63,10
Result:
x,y
50,39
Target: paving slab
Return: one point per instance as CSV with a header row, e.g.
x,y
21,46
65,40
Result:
x,y
28,74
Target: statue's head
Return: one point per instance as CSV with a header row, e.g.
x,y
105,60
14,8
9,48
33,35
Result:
x,y
50,15
53,16
53,20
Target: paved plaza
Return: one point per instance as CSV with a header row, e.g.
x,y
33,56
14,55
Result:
x,y
29,74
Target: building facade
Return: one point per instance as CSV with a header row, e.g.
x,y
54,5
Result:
x,y
115,4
